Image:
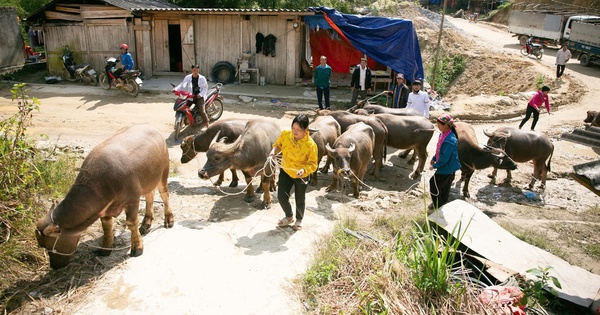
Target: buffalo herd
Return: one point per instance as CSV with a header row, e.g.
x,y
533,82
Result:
x,y
111,181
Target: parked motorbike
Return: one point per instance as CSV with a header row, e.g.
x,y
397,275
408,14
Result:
x,y
184,115
532,48
82,72
131,79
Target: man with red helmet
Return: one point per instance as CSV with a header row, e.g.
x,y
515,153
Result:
x,y
126,61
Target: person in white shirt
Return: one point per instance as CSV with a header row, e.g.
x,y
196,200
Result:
x,y
361,81
418,99
562,57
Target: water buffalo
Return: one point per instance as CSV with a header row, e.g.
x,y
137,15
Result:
x,y
593,117
247,153
472,157
523,146
409,132
230,129
323,130
378,109
346,119
351,154
131,163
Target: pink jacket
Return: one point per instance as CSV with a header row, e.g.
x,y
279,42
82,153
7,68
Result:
x,y
537,100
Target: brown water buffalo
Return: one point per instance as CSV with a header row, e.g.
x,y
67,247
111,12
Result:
x,y
593,118
346,119
378,109
523,146
131,163
409,132
247,153
351,154
323,130
230,129
472,157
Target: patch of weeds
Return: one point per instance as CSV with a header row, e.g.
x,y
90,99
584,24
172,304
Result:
x,y
448,69
539,81
534,290
502,93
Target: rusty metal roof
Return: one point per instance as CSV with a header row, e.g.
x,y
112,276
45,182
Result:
x,y
142,5
222,10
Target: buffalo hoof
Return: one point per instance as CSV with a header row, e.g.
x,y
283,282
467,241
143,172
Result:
x,y
413,175
543,186
466,194
324,170
411,161
169,222
144,229
266,206
233,184
272,188
492,176
355,195
312,182
259,189
249,199
218,182
136,252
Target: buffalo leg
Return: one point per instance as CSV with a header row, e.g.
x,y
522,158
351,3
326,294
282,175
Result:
x,y
220,180
543,175
422,152
494,173
109,237
266,183
149,214
250,191
312,179
163,190
132,221
355,185
468,175
334,182
234,178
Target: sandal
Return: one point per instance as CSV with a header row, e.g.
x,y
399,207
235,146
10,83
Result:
x,y
297,226
285,222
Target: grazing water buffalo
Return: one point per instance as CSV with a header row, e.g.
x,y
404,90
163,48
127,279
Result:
x,y
346,119
247,153
130,164
230,129
409,132
378,109
472,157
323,130
351,154
523,146
593,117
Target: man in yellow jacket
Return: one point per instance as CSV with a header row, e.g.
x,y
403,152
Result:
x,y
299,160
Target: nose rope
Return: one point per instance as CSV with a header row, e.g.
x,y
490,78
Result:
x,y
354,175
54,251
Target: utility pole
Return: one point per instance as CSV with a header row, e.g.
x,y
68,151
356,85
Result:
x,y
437,52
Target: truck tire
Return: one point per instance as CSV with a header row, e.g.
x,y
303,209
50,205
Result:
x,y
584,59
223,72
523,40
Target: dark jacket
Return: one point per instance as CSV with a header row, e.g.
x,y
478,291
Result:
x,y
356,78
269,45
400,95
260,39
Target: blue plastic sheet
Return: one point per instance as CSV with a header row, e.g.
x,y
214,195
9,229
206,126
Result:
x,y
392,42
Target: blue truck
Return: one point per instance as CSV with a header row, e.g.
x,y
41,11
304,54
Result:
x,y
584,42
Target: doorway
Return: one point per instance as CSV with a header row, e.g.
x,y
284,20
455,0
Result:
x,y
175,55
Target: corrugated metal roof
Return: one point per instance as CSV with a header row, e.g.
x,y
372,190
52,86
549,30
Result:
x,y
588,174
217,10
142,5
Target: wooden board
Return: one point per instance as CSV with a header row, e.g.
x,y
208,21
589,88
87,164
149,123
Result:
x,y
491,241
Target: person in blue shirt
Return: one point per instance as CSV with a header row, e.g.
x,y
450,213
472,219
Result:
x,y
399,91
445,162
321,79
126,61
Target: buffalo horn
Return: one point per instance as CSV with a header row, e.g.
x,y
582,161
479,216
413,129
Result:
x,y
329,148
351,148
485,132
215,138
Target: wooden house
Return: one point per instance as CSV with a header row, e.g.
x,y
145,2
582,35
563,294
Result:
x,y
165,39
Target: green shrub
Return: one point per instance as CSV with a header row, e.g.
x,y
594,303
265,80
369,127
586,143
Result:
x,y
449,68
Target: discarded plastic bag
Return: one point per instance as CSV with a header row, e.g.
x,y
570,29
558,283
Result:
x,y
503,298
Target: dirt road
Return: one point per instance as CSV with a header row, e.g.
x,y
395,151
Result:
x,y
225,256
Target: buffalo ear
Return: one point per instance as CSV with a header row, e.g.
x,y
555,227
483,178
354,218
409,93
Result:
x,y
52,230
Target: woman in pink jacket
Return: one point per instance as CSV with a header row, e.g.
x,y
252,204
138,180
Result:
x,y
534,106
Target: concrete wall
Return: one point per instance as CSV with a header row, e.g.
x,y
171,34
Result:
x,y
12,55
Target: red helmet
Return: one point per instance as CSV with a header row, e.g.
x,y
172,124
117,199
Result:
x,y
124,46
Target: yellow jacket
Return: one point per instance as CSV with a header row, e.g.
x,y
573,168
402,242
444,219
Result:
x,y
297,154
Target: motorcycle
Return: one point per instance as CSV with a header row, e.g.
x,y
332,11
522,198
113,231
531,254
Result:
x,y
131,79
184,115
82,72
531,48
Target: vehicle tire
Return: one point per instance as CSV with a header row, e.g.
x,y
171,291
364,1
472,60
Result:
x,y
131,87
524,51
522,40
584,60
104,81
215,110
178,125
223,72
538,54
91,79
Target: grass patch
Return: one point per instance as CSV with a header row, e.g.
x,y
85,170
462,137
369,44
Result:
x,y
448,69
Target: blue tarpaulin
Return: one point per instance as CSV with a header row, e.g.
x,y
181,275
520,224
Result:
x,y
392,42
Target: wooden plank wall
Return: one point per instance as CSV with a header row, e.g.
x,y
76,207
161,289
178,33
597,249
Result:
x,y
217,39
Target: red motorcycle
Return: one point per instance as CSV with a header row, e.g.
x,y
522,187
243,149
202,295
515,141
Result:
x,y
184,115
131,79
